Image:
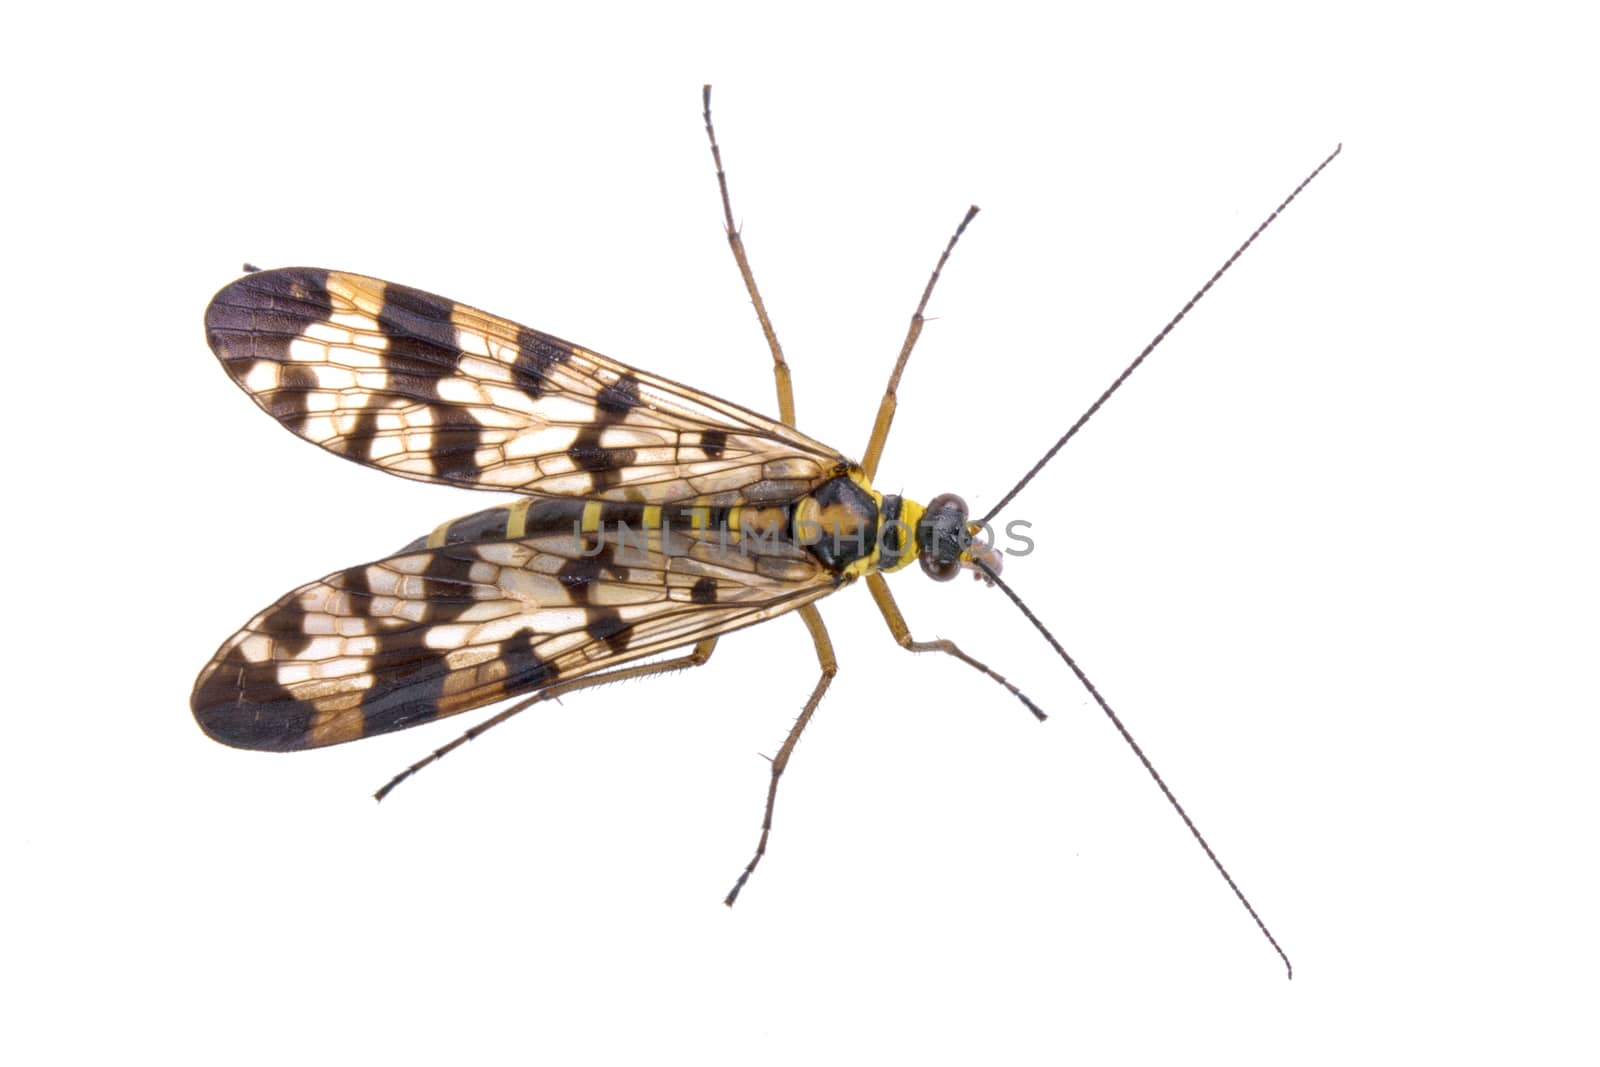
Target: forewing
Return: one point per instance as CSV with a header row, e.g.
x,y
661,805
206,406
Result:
x,y
426,388
430,633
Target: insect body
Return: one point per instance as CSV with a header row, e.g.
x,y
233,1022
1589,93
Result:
x,y
651,518
662,517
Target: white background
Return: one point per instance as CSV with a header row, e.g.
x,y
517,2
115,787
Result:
x,y
1331,552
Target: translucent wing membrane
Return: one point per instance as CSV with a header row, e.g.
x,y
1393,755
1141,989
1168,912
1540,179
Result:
x,y
436,631
426,388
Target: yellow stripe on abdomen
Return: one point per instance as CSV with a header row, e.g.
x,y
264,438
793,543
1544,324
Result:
x,y
517,520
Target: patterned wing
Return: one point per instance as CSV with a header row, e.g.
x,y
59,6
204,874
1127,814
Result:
x,y
433,632
426,388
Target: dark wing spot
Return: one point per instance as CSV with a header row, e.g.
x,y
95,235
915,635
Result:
x,y
362,437
419,328
593,457
713,443
411,676
422,352
577,575
536,354
409,691
621,395
287,402
457,436
269,719
260,315
704,591
447,584
285,625
358,589
242,704
525,670
588,454
607,626
257,318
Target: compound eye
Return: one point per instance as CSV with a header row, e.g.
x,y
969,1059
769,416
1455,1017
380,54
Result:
x,y
942,537
948,504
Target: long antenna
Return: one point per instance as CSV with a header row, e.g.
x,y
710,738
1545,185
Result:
x,y
1193,300
1137,751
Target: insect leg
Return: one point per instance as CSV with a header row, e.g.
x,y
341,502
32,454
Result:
x,y
830,667
879,587
880,427
694,658
780,368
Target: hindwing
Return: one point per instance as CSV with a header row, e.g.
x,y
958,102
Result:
x,y
431,632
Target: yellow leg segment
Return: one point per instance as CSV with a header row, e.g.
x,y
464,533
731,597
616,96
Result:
x,y
902,634
780,368
830,667
694,658
880,427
